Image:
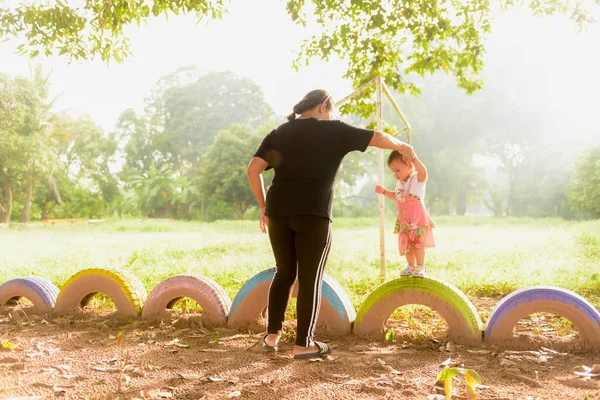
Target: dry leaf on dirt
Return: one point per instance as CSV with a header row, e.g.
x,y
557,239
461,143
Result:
x,y
482,351
190,377
235,393
525,379
175,342
59,391
580,383
213,379
587,372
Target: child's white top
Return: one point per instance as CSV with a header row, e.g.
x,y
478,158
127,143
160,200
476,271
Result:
x,y
414,187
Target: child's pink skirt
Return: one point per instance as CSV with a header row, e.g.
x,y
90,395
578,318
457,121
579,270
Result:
x,y
413,225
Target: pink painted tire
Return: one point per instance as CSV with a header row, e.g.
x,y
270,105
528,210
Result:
x,y
39,291
336,315
464,324
207,293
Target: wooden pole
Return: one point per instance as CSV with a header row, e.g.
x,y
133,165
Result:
x,y
380,171
400,113
356,92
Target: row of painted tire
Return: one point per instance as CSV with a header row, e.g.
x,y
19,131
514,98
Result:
x,y
337,313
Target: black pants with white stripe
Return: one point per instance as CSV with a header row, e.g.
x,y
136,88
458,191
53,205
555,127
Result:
x,y
301,246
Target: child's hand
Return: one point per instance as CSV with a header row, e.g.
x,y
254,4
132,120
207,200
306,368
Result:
x,y
379,189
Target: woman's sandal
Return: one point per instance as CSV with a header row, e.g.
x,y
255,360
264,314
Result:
x,y
266,347
323,351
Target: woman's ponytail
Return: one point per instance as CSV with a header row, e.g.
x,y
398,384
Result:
x,y
312,99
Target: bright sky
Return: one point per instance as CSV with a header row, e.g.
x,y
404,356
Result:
x,y
257,39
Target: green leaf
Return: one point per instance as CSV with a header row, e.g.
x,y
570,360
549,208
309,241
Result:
x,y
447,373
448,388
390,336
214,338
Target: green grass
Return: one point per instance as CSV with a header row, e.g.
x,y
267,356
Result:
x,y
482,256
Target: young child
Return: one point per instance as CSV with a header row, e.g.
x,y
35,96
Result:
x,y
413,224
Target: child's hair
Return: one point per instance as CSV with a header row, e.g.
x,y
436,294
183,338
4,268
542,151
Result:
x,y
395,155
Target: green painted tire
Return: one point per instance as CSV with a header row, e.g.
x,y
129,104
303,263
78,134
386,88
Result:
x,y
464,324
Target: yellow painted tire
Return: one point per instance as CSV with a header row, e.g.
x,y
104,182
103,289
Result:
x,y
125,290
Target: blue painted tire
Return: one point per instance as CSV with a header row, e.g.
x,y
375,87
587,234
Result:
x,y
40,291
527,301
336,315
204,291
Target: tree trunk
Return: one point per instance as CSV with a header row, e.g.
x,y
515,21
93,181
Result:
x,y
461,198
239,209
8,194
511,186
27,206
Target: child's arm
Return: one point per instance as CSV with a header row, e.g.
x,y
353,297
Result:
x,y
421,170
387,193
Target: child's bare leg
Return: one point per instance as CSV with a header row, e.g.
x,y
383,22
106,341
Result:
x,y
410,256
419,255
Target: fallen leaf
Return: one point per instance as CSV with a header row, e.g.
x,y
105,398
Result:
x,y
525,379
214,350
165,395
214,338
235,393
9,360
391,369
190,377
213,379
447,363
450,346
579,383
18,367
5,345
59,391
482,351
233,380
154,367
106,369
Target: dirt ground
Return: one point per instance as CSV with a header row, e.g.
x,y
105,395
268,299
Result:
x,y
78,357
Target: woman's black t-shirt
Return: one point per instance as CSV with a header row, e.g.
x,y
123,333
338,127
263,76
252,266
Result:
x,y
306,155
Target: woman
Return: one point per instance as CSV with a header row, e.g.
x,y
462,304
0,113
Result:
x,y
306,153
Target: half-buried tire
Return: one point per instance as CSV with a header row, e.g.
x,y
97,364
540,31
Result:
x,y
207,293
39,291
527,301
336,315
464,324
125,290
